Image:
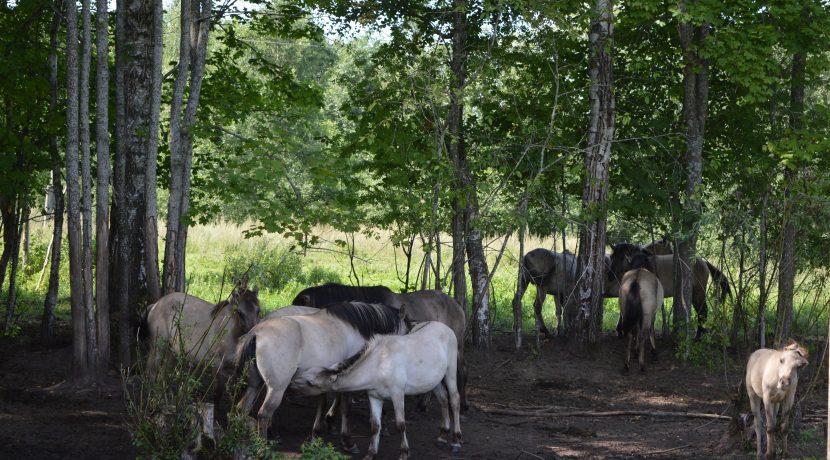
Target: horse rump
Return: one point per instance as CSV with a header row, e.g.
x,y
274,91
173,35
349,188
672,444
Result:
x,y
633,314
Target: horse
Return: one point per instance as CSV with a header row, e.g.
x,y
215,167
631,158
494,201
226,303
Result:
x,y
285,346
555,273
390,367
202,330
641,294
622,254
426,305
772,377
660,247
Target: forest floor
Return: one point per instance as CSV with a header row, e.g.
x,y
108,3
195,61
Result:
x,y
41,424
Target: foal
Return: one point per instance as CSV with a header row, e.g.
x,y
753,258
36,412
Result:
x,y
390,367
772,376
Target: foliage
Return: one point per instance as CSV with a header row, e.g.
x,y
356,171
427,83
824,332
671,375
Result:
x,y
317,449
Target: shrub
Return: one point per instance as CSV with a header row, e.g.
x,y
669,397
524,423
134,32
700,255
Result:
x,y
267,267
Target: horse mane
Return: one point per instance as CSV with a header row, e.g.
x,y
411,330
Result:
x,y
345,367
368,319
641,259
328,293
246,295
794,346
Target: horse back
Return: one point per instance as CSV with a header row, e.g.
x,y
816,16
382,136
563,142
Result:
x,y
433,305
664,269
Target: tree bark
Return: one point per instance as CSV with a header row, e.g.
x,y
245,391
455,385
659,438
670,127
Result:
x,y
695,111
787,270
80,365
21,216
137,61
51,300
762,275
86,193
102,150
151,219
597,161
195,27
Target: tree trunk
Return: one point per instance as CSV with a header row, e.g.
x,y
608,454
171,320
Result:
x,y
7,208
521,284
102,149
11,300
786,270
86,193
80,365
195,25
695,110
151,219
51,300
597,160
762,275
137,61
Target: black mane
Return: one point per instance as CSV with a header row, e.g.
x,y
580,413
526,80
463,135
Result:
x,y
367,319
319,296
641,259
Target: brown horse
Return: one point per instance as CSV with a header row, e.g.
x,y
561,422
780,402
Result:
x,y
660,247
641,295
621,257
555,273
772,377
427,305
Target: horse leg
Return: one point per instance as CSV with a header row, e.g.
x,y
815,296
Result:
x,y
537,310
332,412
319,423
702,309
221,400
400,422
345,431
273,398
641,357
771,409
785,421
628,352
441,395
653,344
755,405
375,406
452,391
557,301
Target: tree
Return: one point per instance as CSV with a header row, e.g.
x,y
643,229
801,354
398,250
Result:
x,y
102,150
597,160
193,42
693,34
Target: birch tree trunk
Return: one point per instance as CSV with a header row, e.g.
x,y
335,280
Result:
x,y
136,76
762,275
118,282
80,366
21,216
597,160
151,219
51,300
695,111
195,27
102,150
86,193
786,270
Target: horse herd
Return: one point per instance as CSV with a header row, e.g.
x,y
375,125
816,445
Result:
x,y
333,339
336,339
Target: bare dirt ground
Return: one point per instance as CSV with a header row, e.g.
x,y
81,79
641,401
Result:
x,y
40,424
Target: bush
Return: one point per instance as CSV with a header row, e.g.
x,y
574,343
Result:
x,y
267,267
317,449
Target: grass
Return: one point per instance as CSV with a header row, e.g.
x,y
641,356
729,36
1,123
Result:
x,y
281,268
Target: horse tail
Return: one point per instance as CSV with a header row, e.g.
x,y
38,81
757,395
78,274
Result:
x,y
720,278
633,308
245,352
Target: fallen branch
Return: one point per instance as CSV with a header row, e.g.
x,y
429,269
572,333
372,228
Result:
x,y
616,413
493,369
657,452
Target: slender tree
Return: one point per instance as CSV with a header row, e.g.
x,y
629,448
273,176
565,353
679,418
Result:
x,y
693,36
597,160
102,150
195,26
51,300
151,218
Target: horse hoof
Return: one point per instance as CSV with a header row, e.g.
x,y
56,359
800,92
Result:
x,y
456,448
353,449
441,442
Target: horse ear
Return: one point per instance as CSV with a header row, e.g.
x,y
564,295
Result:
x,y
304,300
402,312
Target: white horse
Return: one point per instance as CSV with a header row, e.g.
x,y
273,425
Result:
x,y
772,377
390,367
286,346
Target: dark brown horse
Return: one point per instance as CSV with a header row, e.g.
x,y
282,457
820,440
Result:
x,y
623,253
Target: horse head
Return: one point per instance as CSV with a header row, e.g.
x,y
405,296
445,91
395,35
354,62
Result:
x,y
621,254
642,259
793,358
246,303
